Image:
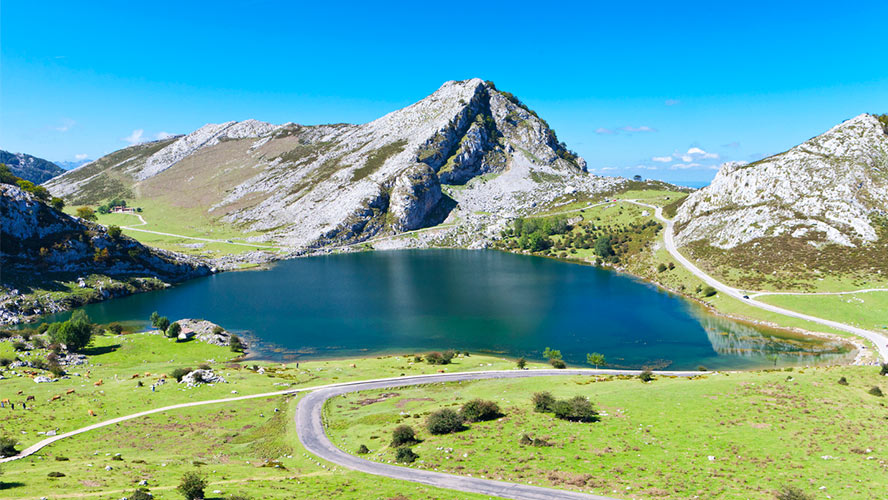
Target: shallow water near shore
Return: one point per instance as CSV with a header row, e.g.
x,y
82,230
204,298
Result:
x,y
400,302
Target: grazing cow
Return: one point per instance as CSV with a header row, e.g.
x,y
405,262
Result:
x,y
441,371
20,393
70,391
56,397
91,413
147,374
30,398
98,383
135,375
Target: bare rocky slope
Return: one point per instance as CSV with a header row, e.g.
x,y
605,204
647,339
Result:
x,y
30,168
824,195
468,154
42,248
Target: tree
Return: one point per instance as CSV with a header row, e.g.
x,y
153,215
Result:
x,y
603,246
114,232
236,344
558,363
575,409
551,354
543,402
521,363
405,455
595,359
884,370
661,267
76,333
646,375
708,291
403,434
154,317
173,330
86,213
479,410
363,450
192,486
444,421
7,446
178,373
163,323
57,203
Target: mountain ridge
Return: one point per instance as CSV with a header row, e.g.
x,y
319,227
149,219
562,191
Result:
x,y
30,168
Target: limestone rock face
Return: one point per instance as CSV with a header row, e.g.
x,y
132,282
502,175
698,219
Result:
x,y
30,168
306,187
826,190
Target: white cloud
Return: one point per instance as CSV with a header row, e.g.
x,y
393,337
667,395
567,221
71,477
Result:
x,y
135,137
604,169
81,157
662,159
646,167
682,166
643,128
734,144
698,153
672,102
605,131
164,135
66,124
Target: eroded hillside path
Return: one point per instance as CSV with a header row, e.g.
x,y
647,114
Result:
x,y
878,339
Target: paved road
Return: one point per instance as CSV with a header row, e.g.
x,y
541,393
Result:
x,y
310,428
849,292
880,341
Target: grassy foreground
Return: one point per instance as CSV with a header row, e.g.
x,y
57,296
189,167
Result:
x,y
738,435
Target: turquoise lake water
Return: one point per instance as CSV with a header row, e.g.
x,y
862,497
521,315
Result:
x,y
480,301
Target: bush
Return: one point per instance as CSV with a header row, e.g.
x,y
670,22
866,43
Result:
x,y
56,474
4,362
192,486
238,497
86,213
114,232
363,450
56,370
405,455
843,381
19,346
57,203
575,409
543,402
884,370
60,458
403,434
661,268
235,344
558,363
140,494
875,391
708,291
521,363
436,358
178,373
646,375
38,342
444,421
792,493
173,330
479,410
7,447
115,328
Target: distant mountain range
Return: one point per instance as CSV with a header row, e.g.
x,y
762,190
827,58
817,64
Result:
x,y
71,165
30,168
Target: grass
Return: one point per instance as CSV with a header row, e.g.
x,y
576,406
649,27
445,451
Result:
x,y
737,435
865,310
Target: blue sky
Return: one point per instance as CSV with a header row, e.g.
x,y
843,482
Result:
x,y
627,86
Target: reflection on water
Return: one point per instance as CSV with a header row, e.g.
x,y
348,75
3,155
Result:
x,y
732,338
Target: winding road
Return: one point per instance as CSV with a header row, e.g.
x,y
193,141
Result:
x,y
879,340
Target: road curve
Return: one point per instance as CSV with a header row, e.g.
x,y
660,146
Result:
x,y
313,436
879,340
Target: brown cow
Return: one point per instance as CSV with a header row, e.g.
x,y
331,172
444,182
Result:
x,y
20,393
92,413
98,383
135,375
70,391
56,397
30,398
4,401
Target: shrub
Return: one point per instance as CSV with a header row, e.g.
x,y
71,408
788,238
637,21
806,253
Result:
x,y
661,267
448,355
884,370
140,494
792,493
575,409
405,455
57,203
56,474
543,402
56,370
558,363
178,373
114,232
646,375
19,346
843,381
521,363
7,447
701,368
235,344
363,450
86,213
444,421
875,391
204,366
59,458
403,434
479,410
238,497
436,358
38,342
417,359
115,328
708,291
192,486
217,330
4,362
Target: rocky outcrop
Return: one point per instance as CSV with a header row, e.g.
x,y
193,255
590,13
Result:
x,y
307,187
828,190
206,331
30,168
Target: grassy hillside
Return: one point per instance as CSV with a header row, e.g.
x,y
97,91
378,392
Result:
x,y
737,435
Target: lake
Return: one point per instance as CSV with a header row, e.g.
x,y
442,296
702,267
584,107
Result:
x,y
481,301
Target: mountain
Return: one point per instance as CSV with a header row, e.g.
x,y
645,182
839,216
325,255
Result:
x,y
43,249
803,206
468,153
30,168
71,165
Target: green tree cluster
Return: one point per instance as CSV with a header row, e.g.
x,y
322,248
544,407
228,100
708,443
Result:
x,y
107,207
75,333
